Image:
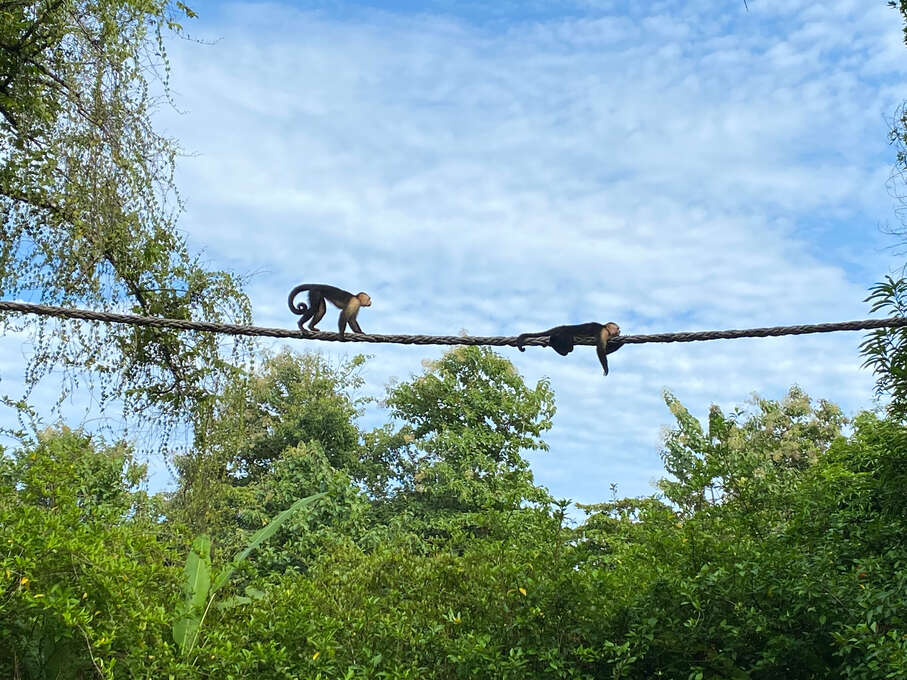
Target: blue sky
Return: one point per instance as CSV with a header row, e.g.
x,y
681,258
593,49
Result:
x,y
506,167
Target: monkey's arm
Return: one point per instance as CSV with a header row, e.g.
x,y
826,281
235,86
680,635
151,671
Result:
x,y
608,331
602,356
348,315
343,320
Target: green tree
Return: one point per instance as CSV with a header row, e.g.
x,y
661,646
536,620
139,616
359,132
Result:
x,y
773,554
89,207
738,458
505,606
857,513
885,349
465,423
84,563
283,431
289,400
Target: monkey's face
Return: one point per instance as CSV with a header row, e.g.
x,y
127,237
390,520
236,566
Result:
x,y
612,328
364,300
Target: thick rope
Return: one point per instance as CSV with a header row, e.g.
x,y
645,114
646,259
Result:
x,y
497,341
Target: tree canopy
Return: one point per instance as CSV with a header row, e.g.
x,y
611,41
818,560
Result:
x,y
89,206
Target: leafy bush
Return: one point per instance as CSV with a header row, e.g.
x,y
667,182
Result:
x,y
85,562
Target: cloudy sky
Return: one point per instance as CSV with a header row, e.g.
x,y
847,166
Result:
x,y
504,167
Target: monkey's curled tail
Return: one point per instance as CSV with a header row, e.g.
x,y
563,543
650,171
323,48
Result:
x,y
299,307
523,337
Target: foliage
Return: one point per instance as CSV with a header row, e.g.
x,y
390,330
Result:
x,y
756,568
198,589
774,550
885,349
866,511
495,608
740,461
282,431
289,400
774,547
89,208
301,471
84,564
465,422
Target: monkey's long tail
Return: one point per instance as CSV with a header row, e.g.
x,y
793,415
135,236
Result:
x,y
299,307
522,337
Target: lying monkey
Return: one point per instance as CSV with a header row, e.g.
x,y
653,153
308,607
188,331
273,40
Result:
x,y
348,303
562,338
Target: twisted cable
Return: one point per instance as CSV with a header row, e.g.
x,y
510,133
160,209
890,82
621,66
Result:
x,y
495,341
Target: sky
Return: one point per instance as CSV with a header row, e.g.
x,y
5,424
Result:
x,y
504,167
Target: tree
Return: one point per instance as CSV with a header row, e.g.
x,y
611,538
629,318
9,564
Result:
x,y
885,349
280,432
738,454
87,585
89,207
465,422
775,552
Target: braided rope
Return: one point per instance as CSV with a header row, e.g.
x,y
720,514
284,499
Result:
x,y
497,341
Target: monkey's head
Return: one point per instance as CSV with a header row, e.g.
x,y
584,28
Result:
x,y
612,328
364,300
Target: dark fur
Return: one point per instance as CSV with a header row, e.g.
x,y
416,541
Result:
x,y
316,309
563,338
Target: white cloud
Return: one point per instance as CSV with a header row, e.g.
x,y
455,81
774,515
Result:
x,y
675,166
672,172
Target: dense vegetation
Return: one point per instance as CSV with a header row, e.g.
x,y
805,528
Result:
x,y
775,548
298,546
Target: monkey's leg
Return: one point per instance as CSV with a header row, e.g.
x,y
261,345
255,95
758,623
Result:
x,y
355,326
319,312
305,315
562,344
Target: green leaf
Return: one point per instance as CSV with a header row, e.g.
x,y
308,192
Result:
x,y
255,593
260,537
196,586
232,602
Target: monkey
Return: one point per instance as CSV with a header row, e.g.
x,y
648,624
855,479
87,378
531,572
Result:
x,y
561,339
348,303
